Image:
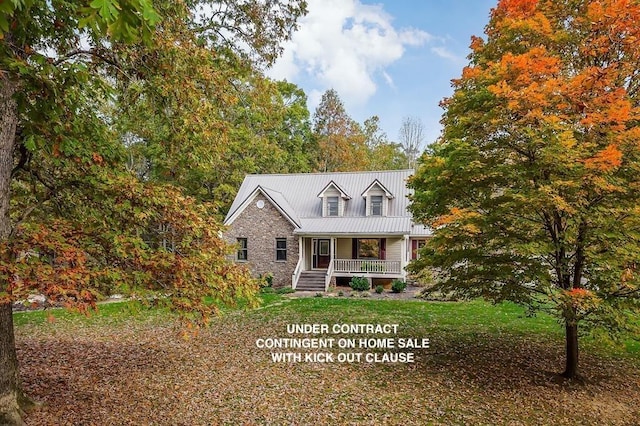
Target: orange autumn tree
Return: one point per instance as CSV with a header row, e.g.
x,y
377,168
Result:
x,y
533,188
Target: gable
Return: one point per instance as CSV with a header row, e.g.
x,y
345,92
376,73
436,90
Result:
x,y
333,189
377,188
275,198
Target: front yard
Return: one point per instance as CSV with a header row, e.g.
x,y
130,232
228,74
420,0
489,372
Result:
x,y
485,365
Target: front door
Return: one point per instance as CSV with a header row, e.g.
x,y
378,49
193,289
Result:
x,y
321,253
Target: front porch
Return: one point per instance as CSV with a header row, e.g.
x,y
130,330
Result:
x,y
366,256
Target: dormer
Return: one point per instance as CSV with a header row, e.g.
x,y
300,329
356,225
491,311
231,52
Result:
x,y
333,200
376,199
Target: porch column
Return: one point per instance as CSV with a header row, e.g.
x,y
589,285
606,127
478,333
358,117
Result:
x,y
405,257
301,252
332,249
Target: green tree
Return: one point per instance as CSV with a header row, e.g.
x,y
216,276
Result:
x,y
340,141
78,220
203,120
532,191
383,154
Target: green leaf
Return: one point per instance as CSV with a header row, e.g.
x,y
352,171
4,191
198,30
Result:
x,y
30,143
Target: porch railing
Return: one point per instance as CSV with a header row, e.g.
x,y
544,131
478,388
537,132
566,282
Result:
x,y
367,266
296,274
327,278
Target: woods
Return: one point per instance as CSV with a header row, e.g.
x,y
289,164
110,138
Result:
x,y
127,127
85,209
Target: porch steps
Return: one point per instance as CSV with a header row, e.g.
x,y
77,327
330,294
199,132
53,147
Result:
x,y
311,281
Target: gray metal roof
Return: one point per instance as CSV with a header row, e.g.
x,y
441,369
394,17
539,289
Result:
x,y
297,196
355,225
282,202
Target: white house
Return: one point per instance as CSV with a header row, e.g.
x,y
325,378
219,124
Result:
x,y
311,229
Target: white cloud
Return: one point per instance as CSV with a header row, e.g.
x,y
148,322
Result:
x,y
388,79
344,45
445,53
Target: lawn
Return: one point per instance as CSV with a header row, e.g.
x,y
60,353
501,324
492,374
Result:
x,y
485,365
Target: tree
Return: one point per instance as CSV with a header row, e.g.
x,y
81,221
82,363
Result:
x,y
533,189
341,142
217,117
383,154
411,139
61,66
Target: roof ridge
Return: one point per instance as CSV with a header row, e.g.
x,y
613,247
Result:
x,y
330,173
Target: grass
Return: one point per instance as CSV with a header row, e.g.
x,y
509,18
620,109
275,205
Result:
x,y
107,313
486,365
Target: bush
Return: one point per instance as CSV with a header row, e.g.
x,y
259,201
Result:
x,y
359,284
423,278
267,290
267,280
341,293
285,290
379,289
398,286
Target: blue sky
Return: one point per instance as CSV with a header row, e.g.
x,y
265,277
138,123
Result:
x,y
391,58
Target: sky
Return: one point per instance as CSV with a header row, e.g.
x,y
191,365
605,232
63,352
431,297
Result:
x,y
390,58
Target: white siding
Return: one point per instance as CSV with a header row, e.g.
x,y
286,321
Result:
x,y
332,192
308,254
394,248
343,248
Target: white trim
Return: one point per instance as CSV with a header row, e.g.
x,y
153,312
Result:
x,y
387,193
405,256
342,192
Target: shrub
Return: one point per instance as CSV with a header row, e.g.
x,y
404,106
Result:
x,y
341,293
266,280
359,284
398,286
319,294
267,290
285,290
423,278
379,289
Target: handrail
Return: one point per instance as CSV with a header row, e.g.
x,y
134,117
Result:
x,y
296,273
366,266
327,278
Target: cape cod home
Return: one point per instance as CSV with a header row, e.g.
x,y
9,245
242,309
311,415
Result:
x,y
309,230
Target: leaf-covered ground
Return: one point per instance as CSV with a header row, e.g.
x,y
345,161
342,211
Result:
x,y
486,365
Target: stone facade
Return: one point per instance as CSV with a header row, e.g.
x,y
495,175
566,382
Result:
x,y
261,227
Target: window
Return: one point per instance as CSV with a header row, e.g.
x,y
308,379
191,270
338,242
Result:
x,y
332,206
324,248
242,249
416,245
368,248
281,249
376,205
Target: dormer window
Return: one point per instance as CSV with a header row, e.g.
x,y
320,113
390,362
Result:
x,y
332,206
376,199
333,199
376,205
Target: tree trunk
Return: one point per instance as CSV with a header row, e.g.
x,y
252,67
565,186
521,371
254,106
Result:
x,y
10,393
10,413
571,368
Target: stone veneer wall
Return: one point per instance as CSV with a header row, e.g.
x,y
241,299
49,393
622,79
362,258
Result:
x,y
261,227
